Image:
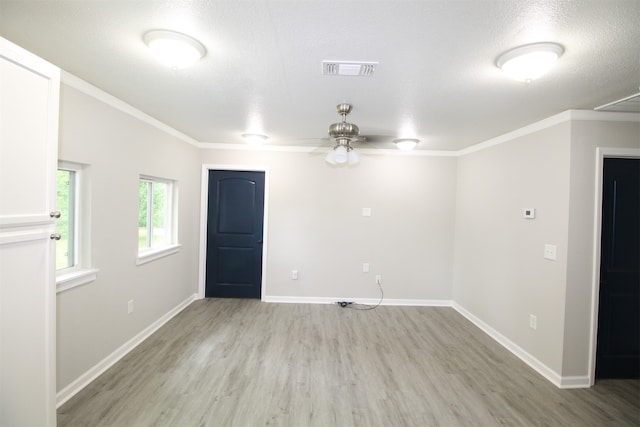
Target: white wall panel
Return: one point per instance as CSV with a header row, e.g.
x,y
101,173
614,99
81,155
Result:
x,y
29,94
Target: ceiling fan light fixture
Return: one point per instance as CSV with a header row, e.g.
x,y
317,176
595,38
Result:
x,y
406,144
529,62
331,157
254,138
340,154
174,50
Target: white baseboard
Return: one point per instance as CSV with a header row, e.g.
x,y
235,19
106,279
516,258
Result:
x,y
555,378
81,382
582,381
368,301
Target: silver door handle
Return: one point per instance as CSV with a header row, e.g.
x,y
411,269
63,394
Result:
x,y
54,214
55,236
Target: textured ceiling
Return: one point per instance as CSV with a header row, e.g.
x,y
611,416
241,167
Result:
x,y
436,79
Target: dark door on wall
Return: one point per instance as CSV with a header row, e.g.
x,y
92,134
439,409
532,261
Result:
x,y
618,344
234,234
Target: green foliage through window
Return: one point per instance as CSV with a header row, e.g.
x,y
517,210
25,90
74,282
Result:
x,y
153,215
65,225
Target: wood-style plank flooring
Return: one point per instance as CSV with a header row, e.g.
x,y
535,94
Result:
x,y
225,362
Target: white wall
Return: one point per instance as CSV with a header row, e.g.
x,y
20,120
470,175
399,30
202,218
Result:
x,y
315,224
500,275
92,319
585,137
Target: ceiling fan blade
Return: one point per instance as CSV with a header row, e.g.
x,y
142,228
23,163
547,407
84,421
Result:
x,y
378,138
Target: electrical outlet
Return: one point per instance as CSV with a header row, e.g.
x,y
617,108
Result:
x,y
294,274
365,267
533,322
378,278
130,307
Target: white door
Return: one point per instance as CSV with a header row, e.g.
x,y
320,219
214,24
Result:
x,y
29,104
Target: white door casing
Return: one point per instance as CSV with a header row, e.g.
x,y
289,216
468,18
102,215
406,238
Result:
x,y
29,114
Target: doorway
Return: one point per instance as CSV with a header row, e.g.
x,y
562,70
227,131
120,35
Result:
x,y
618,339
234,233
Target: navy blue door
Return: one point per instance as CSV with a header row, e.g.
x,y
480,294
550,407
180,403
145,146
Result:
x,y
618,349
234,234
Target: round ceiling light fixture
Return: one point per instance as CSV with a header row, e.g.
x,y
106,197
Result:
x,y
529,62
174,50
406,144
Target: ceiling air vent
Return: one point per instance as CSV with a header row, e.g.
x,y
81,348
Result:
x,y
630,104
348,68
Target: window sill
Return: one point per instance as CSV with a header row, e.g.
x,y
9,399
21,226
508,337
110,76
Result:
x,y
66,281
154,254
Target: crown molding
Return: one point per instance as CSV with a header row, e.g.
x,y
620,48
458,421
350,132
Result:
x,y
246,147
300,149
526,130
603,116
93,91
565,116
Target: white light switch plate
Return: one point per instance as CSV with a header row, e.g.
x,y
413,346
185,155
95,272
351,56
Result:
x,y
366,211
533,322
550,252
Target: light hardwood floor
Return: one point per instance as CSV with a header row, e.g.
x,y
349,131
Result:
x,y
225,362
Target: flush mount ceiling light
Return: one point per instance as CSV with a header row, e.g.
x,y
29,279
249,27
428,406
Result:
x,y
529,62
174,50
254,138
406,144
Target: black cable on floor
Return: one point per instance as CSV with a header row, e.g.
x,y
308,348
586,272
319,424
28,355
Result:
x,y
358,306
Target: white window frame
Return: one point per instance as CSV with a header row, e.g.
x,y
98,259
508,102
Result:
x,y
82,272
170,245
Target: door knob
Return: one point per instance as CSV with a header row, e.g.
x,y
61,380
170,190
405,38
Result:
x,y
54,214
55,236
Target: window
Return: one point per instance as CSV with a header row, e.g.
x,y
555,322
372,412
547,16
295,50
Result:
x,y
73,257
66,224
156,231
